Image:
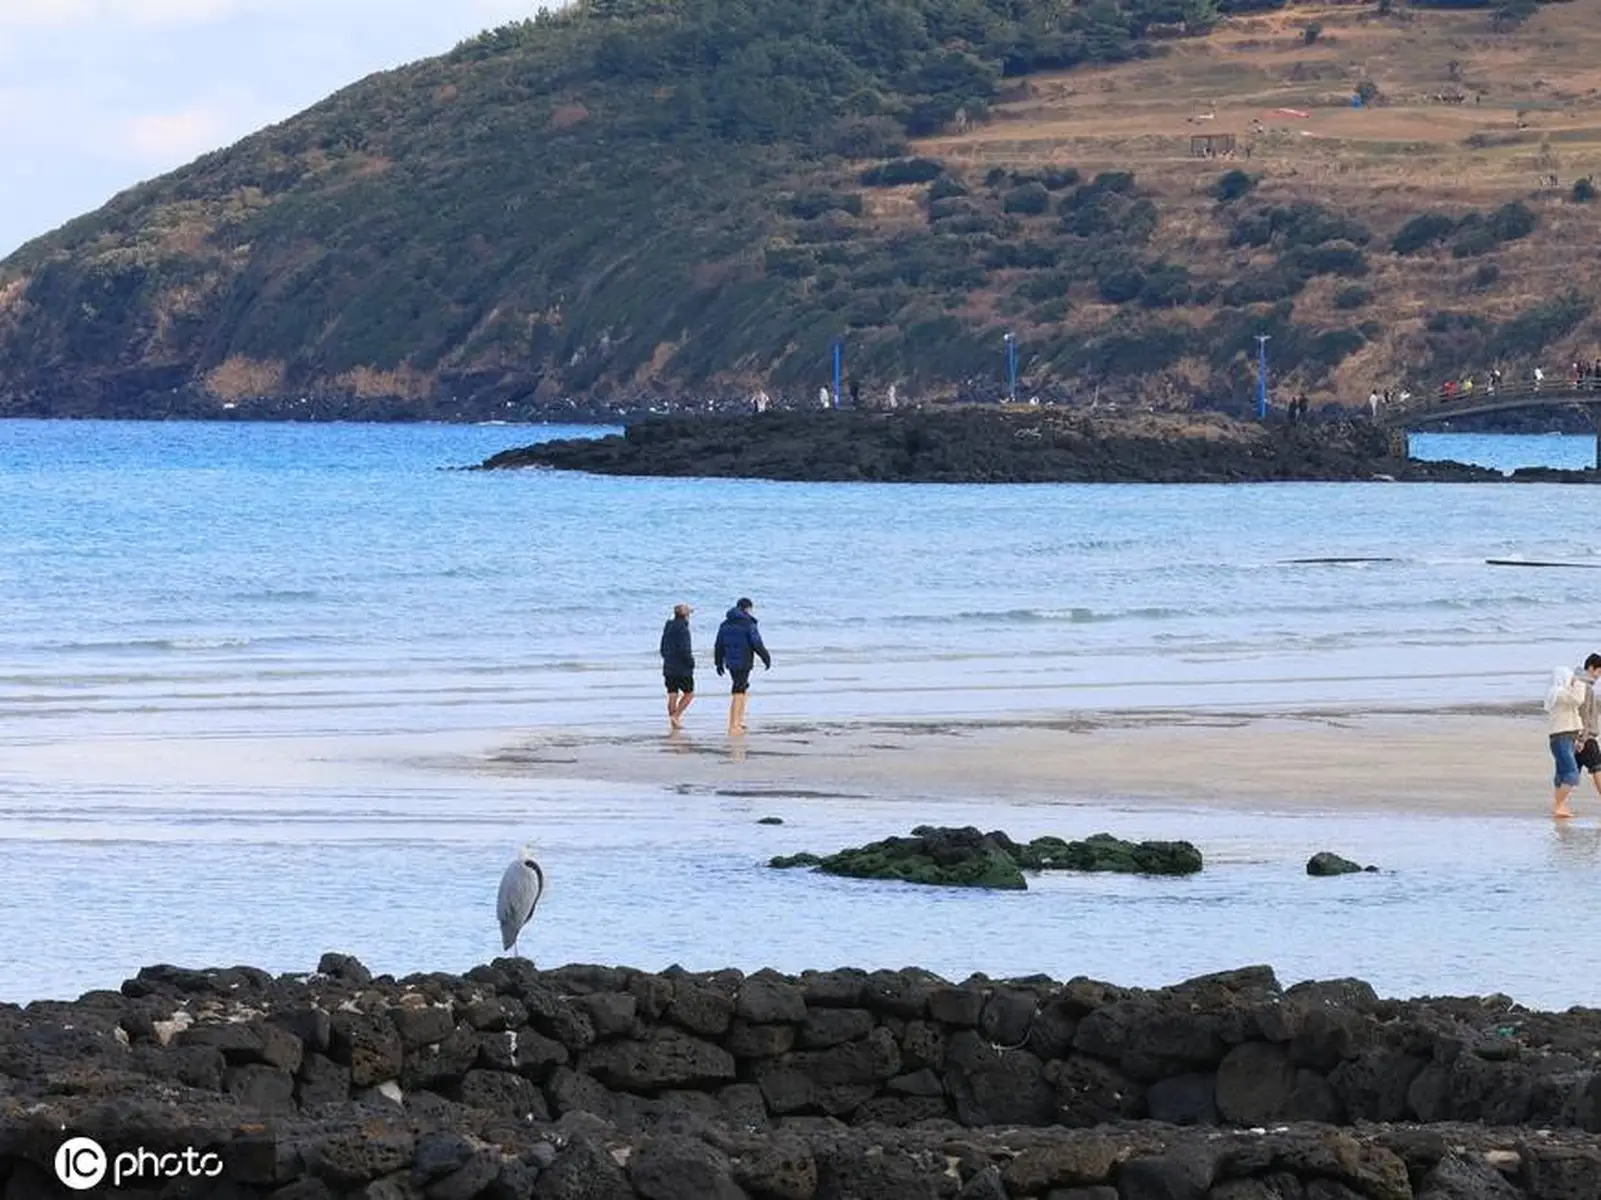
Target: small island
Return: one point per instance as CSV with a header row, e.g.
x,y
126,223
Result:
x,y
984,444
946,857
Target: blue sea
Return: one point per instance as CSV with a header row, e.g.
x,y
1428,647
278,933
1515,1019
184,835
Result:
x,y
221,643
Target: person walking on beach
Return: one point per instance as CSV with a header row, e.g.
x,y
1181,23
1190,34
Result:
x,y
1565,729
1587,753
738,646
678,664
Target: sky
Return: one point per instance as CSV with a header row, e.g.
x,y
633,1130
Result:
x,y
97,95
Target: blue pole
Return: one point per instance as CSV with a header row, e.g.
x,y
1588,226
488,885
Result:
x,y
1011,368
839,368
1261,378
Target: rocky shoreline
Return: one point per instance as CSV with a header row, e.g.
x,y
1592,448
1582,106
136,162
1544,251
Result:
x,y
601,1083
990,445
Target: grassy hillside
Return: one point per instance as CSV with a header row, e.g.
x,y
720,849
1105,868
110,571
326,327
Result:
x,y
689,197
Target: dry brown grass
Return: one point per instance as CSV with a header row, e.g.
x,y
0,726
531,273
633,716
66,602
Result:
x,y
1143,114
565,116
11,293
239,378
406,382
1537,113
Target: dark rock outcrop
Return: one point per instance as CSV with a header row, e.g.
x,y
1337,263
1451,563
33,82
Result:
x,y
982,444
965,857
605,1082
1326,862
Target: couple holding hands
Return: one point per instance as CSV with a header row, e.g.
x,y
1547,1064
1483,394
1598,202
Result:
x,y
1575,724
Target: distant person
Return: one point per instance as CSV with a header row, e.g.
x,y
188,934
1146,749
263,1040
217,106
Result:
x,y
856,394
1373,402
1564,730
738,646
822,397
1539,377
678,664
1588,751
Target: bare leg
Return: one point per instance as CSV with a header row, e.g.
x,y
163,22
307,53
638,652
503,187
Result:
x,y
688,698
733,714
744,699
672,709
1559,806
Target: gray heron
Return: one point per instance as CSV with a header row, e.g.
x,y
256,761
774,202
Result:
x,y
520,889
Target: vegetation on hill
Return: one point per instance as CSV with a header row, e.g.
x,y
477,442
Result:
x,y
686,196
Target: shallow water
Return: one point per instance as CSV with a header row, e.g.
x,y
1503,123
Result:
x,y
406,880
281,578
173,586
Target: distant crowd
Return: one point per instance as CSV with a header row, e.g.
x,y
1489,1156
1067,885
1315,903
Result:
x,y
1581,375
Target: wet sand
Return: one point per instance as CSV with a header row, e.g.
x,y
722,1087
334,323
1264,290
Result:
x,y
1470,761
1463,762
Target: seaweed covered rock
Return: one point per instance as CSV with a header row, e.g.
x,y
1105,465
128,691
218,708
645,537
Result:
x,y
1103,852
966,857
945,857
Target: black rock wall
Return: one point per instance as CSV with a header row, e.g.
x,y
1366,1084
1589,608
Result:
x,y
510,1080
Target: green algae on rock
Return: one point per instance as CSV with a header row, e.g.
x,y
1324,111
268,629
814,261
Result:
x,y
947,857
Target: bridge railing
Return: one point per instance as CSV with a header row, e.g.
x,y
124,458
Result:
x,y
1556,389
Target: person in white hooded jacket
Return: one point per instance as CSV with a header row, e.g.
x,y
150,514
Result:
x,y
1565,729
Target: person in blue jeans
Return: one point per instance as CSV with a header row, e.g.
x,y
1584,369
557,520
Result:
x,y
1565,727
738,646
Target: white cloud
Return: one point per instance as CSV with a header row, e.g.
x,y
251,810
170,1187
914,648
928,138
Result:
x,y
18,15
166,138
142,86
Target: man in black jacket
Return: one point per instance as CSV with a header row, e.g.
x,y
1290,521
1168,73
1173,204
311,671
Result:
x,y
678,664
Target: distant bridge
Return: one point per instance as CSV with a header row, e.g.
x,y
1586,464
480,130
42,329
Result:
x,y
1442,406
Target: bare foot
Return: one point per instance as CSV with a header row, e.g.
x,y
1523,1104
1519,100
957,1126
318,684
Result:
x,y
675,722
1561,814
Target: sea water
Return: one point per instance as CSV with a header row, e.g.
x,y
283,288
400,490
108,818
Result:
x,y
170,586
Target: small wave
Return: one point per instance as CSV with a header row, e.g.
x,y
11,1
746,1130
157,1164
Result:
x,y
181,643
1024,616
207,643
275,594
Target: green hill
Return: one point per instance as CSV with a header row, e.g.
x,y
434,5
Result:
x,y
693,197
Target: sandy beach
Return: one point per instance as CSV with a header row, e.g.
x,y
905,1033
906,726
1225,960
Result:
x,y
1463,762
1472,761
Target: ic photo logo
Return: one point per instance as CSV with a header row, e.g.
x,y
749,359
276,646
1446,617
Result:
x,y
81,1164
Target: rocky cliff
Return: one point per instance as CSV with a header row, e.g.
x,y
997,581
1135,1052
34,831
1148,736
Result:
x,y
594,1083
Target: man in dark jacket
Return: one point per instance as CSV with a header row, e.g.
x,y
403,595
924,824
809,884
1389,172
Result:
x,y
678,664
738,646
